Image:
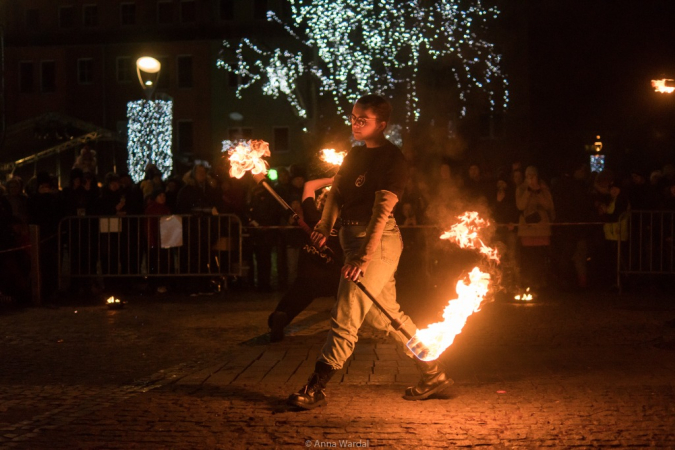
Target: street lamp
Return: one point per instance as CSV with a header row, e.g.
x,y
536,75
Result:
x,y
150,127
147,69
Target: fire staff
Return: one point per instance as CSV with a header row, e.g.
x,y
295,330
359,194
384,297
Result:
x,y
366,189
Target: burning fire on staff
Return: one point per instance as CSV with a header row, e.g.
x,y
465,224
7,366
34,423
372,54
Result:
x,y
245,156
332,156
471,290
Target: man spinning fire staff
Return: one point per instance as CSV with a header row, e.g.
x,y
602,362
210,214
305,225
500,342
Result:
x,y
365,191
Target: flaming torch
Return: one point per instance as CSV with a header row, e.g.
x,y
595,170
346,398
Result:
x,y
428,344
664,86
247,156
332,156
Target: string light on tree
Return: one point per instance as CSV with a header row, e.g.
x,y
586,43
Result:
x,y
149,136
358,46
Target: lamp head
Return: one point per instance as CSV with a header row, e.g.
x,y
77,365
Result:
x,y
148,69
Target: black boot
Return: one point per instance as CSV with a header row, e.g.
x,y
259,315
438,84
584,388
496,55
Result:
x,y
277,321
434,380
312,394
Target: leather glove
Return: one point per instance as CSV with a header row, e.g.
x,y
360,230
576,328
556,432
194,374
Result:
x,y
382,208
331,210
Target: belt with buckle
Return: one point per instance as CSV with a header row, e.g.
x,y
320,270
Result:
x,y
357,223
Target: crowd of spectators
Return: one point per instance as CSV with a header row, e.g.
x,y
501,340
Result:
x,y
527,208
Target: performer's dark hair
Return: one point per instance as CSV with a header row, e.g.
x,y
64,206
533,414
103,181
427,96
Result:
x,y
380,106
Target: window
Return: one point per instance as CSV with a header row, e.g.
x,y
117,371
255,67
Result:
x,y
185,136
66,16
226,9
85,71
188,11
240,133
125,69
90,15
26,77
128,13
281,139
184,71
260,9
165,12
164,81
48,76
32,18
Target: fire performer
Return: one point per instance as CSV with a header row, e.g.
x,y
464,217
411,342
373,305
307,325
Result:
x,y
318,273
366,189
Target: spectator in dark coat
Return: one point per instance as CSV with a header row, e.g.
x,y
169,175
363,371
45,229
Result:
x,y
197,196
44,210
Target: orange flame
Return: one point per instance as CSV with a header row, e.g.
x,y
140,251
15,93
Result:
x,y
525,296
663,86
247,155
465,234
332,156
471,292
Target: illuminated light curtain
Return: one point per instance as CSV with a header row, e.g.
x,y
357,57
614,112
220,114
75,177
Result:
x,y
149,136
354,47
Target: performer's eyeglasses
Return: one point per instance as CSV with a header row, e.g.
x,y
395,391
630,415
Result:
x,y
359,121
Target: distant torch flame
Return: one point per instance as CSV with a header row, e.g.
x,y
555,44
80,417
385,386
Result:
x,y
247,156
471,291
663,86
332,156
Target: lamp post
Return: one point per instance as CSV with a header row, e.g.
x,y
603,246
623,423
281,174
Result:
x,y
148,69
149,124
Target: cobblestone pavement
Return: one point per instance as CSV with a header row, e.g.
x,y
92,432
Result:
x,y
567,371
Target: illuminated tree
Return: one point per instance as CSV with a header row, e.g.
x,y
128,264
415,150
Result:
x,y
149,139
354,47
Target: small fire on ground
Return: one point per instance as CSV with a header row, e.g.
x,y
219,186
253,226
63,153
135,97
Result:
x,y
114,303
525,296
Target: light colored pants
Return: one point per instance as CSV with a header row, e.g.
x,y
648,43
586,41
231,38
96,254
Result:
x,y
353,307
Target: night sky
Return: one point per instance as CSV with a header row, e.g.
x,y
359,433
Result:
x,y
591,63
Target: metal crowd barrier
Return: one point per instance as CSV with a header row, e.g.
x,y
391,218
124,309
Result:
x,y
150,246
650,243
